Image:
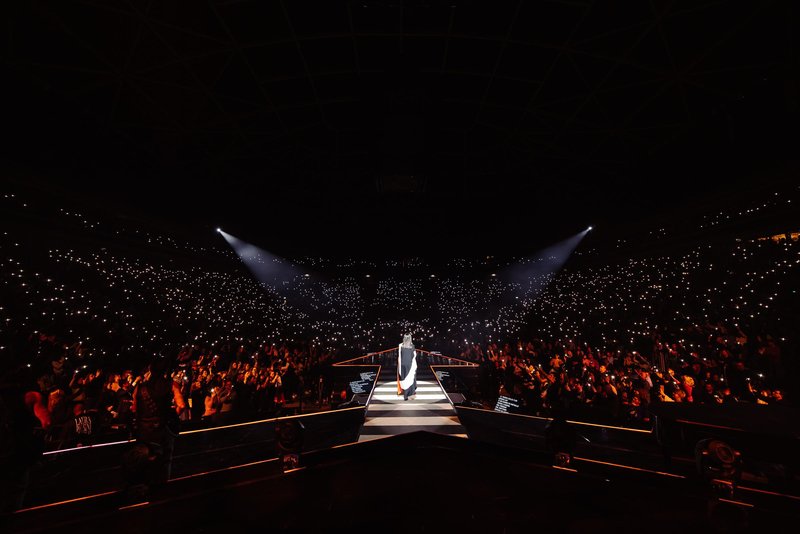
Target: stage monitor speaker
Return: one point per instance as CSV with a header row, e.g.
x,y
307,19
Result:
x,y
457,398
360,399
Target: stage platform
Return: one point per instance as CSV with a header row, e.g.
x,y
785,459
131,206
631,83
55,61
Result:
x,y
388,414
420,481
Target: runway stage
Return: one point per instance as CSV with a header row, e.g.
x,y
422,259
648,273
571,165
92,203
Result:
x,y
430,410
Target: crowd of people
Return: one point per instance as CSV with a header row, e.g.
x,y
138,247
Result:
x,y
80,405
617,386
708,325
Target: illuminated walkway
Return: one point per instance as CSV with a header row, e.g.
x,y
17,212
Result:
x,y
388,414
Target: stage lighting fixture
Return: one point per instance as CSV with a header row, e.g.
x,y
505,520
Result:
x,y
219,230
590,228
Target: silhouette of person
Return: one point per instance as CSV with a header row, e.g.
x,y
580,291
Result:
x,y
407,367
156,405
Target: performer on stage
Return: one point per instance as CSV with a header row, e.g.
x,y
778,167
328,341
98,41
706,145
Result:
x,y
407,367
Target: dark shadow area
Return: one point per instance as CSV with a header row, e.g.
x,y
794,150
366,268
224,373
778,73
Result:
x,y
362,486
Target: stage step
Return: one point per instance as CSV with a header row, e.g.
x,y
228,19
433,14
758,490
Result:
x,y
388,414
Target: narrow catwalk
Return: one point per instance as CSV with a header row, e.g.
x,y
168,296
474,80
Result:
x,y
388,414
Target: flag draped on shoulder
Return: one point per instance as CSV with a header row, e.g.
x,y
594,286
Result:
x,y
408,373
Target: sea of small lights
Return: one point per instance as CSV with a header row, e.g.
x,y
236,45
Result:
x,y
740,213
114,304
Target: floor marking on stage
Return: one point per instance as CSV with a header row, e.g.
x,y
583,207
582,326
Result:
x,y
389,414
410,405
419,396
436,420
425,390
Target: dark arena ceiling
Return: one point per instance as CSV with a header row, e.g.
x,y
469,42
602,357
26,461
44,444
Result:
x,y
403,124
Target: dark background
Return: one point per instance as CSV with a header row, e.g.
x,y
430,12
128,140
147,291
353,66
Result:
x,y
373,127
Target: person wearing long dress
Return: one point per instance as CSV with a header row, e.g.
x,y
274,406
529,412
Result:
x,y
407,367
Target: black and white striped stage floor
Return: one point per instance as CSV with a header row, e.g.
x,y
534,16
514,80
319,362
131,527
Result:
x,y
388,414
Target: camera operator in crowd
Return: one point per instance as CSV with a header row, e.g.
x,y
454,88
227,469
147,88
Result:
x,y
157,403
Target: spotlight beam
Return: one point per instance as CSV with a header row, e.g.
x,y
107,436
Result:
x,y
266,267
536,271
